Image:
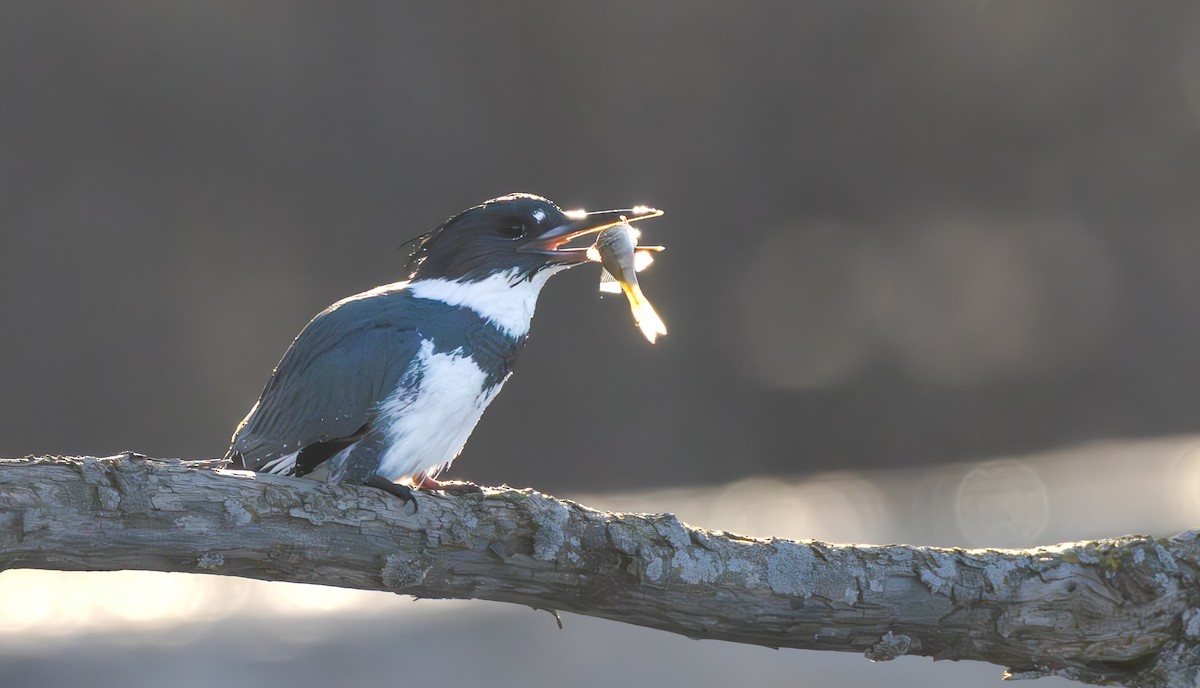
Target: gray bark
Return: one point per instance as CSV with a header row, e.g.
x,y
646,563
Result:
x,y
1122,610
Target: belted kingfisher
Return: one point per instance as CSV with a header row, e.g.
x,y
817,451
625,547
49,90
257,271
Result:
x,y
384,387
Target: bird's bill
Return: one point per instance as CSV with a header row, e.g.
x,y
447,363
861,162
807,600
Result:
x,y
580,223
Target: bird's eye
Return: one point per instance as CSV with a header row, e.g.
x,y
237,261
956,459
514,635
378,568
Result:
x,y
512,231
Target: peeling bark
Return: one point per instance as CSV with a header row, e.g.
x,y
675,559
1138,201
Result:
x,y
1122,610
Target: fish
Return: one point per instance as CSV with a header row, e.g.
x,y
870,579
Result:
x,y
616,248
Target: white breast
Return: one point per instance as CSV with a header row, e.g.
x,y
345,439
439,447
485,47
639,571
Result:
x,y
428,424
506,299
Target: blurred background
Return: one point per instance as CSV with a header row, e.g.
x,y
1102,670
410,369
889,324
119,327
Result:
x,y
931,277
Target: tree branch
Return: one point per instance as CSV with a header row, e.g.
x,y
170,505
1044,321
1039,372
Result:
x,y
1122,610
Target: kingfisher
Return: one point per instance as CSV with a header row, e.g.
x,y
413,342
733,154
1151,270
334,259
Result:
x,y
383,388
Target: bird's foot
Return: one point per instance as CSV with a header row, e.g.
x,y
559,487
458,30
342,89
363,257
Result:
x,y
456,487
404,492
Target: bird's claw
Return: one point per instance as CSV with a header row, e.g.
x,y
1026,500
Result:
x,y
404,492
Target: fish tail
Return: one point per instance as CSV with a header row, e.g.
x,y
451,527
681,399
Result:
x,y
644,315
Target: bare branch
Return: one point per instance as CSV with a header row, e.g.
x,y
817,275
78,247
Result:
x,y
1121,611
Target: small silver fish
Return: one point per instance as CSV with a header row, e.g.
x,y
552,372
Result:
x,y
616,248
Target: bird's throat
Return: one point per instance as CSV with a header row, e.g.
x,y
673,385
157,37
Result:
x,y
506,299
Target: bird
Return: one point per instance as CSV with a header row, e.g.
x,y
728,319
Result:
x,y
383,388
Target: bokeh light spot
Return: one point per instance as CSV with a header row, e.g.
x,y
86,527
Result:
x,y
958,299
1002,504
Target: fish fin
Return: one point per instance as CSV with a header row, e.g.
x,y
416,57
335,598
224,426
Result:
x,y
608,283
642,260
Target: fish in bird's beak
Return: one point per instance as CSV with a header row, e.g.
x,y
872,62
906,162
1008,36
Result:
x,y
580,223
617,250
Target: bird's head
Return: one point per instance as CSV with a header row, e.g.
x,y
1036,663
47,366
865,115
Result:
x,y
519,235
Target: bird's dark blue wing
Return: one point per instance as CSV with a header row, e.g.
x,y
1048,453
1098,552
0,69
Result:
x,y
331,379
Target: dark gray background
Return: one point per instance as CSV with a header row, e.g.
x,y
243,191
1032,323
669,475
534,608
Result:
x,y
899,232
